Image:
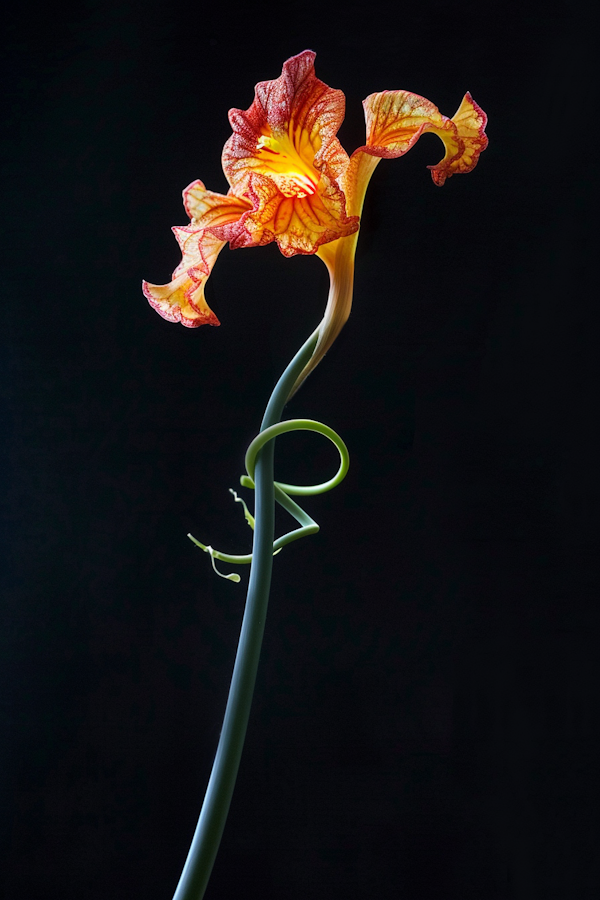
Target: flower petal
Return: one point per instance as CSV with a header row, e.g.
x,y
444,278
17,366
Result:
x,y
205,208
397,119
299,225
470,121
284,148
182,300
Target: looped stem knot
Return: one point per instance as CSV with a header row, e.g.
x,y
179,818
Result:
x,y
283,490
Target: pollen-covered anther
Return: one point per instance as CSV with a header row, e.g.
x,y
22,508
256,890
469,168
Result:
x,y
266,141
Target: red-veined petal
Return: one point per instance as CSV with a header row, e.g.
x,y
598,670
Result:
x,y
397,119
299,225
470,121
183,300
206,208
284,148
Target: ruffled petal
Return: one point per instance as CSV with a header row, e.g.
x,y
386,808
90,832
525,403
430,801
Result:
x,y
183,300
470,121
206,208
298,224
285,158
397,119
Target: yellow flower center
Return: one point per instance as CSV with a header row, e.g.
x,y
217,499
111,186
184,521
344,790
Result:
x,y
288,160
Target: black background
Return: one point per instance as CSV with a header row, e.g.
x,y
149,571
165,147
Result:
x,y
423,719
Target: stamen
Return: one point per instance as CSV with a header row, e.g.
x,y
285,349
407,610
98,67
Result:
x,y
266,142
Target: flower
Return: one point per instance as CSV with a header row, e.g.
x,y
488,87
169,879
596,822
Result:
x,y
291,181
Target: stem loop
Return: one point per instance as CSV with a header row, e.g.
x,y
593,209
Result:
x,y
207,836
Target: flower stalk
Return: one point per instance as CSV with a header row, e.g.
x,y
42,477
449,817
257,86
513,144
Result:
x,y
209,830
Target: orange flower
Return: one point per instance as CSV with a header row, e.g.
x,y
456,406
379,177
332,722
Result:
x,y
292,182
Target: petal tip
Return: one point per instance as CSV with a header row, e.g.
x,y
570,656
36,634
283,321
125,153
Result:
x,y
174,304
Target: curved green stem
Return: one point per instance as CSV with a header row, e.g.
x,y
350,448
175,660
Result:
x,y
268,434
211,823
282,490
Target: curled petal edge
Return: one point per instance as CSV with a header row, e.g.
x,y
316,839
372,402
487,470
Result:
x,y
395,121
182,299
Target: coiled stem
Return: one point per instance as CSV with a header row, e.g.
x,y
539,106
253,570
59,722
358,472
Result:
x,y
259,465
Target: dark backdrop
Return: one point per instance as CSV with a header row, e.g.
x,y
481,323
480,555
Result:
x,y
422,726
